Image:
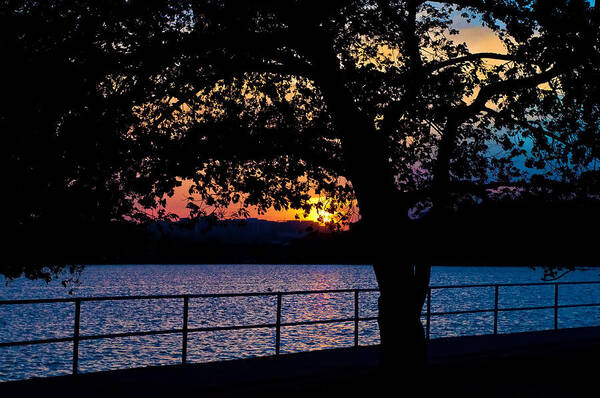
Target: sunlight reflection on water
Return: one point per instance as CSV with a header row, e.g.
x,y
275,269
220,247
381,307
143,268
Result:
x,y
52,320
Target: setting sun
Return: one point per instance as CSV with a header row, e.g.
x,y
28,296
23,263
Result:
x,y
320,215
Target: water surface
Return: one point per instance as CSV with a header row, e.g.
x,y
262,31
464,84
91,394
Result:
x,y
54,320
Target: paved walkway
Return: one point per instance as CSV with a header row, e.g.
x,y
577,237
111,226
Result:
x,y
549,363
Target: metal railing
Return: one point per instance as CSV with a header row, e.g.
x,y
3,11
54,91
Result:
x,y
185,330
278,324
496,310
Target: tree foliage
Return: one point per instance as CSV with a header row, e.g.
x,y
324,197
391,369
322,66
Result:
x,y
109,105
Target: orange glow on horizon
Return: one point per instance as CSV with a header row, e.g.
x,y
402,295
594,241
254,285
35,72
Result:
x,y
177,203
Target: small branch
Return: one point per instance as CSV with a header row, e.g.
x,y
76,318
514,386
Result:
x,y
551,275
249,67
432,66
536,129
492,7
503,87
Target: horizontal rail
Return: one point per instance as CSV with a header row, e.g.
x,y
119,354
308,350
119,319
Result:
x,y
267,294
513,284
180,296
549,307
189,330
477,311
32,342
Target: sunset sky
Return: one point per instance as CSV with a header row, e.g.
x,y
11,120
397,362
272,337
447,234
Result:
x,y
177,204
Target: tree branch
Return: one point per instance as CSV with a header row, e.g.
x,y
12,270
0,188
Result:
x,y
499,9
230,71
432,66
506,86
536,129
441,177
415,73
473,188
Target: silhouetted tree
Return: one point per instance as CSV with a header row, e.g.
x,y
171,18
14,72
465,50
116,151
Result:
x,y
108,106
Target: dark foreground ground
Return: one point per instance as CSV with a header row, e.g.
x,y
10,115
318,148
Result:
x,y
563,363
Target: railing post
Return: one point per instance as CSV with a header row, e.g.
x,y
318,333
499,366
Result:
x,y
428,326
556,306
278,325
76,336
356,313
185,330
495,309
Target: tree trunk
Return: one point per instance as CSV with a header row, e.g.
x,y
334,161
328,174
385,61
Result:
x,y
386,228
403,284
401,290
